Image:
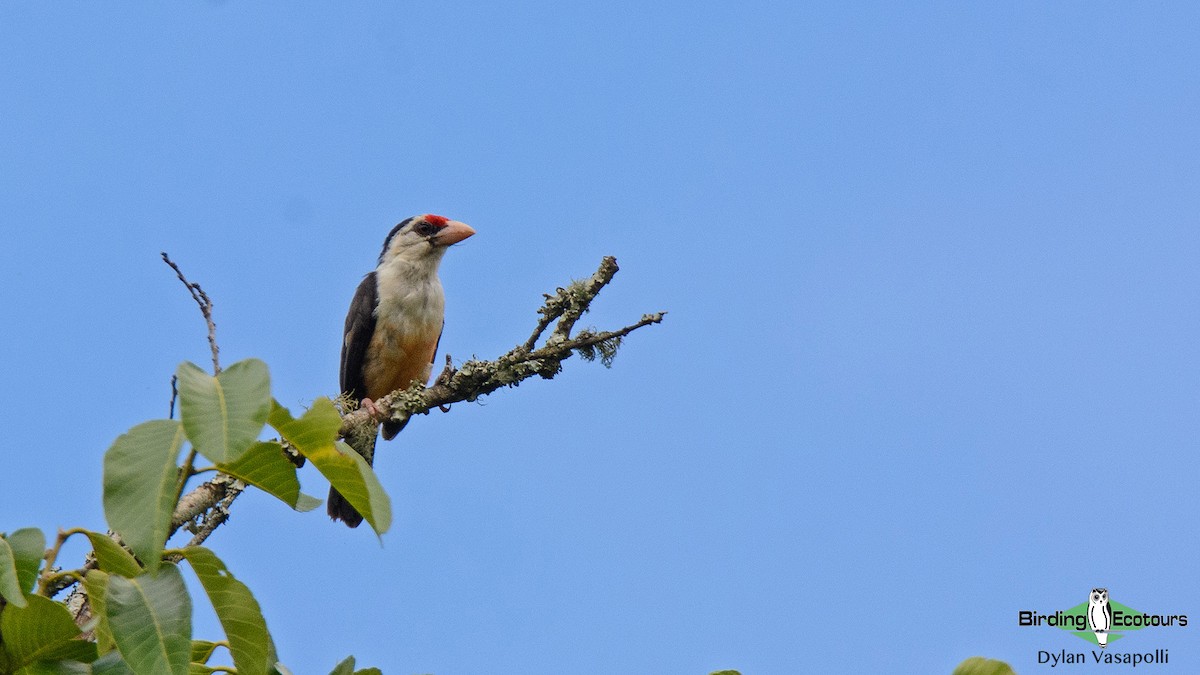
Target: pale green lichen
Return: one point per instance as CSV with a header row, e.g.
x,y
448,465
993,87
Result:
x,y
605,349
345,403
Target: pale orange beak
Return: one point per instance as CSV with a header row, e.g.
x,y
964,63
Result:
x,y
453,233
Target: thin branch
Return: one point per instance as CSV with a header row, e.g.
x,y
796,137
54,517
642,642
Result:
x,y
207,505
549,312
200,500
478,378
185,473
216,516
89,563
66,578
46,584
206,307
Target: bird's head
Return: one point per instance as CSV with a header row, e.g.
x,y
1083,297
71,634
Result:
x,y
422,239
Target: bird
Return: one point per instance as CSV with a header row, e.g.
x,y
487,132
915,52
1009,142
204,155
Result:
x,y
1099,614
394,327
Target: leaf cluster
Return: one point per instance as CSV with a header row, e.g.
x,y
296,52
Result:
x,y
138,612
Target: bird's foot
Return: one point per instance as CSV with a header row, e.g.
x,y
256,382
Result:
x,y
372,409
447,373
444,378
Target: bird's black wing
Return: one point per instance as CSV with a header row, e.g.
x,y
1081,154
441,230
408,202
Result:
x,y
360,326
436,346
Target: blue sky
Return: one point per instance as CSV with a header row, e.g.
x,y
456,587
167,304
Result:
x,y
931,357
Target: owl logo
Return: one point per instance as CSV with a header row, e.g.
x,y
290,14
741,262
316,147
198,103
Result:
x,y
1099,614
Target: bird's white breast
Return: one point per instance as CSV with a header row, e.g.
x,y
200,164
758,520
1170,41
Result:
x,y
408,322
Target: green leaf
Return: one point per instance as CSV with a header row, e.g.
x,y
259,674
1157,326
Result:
x,y
316,428
43,630
354,478
315,436
200,669
223,415
10,583
276,668
140,482
977,665
725,672
202,651
264,466
346,667
111,557
111,664
56,668
95,584
151,621
28,547
238,611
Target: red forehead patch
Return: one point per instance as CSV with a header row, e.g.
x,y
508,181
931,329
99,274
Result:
x,y
437,220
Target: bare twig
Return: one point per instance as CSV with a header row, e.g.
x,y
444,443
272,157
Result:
x,y
478,378
206,308
214,496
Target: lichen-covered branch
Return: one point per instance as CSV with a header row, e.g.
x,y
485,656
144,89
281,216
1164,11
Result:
x,y
478,378
197,505
570,303
208,520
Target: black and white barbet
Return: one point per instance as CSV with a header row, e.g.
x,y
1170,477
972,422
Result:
x,y
394,326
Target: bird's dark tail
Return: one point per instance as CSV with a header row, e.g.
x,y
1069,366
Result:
x,y
390,429
363,442
340,509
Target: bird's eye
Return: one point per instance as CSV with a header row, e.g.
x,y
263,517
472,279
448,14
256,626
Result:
x,y
425,228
